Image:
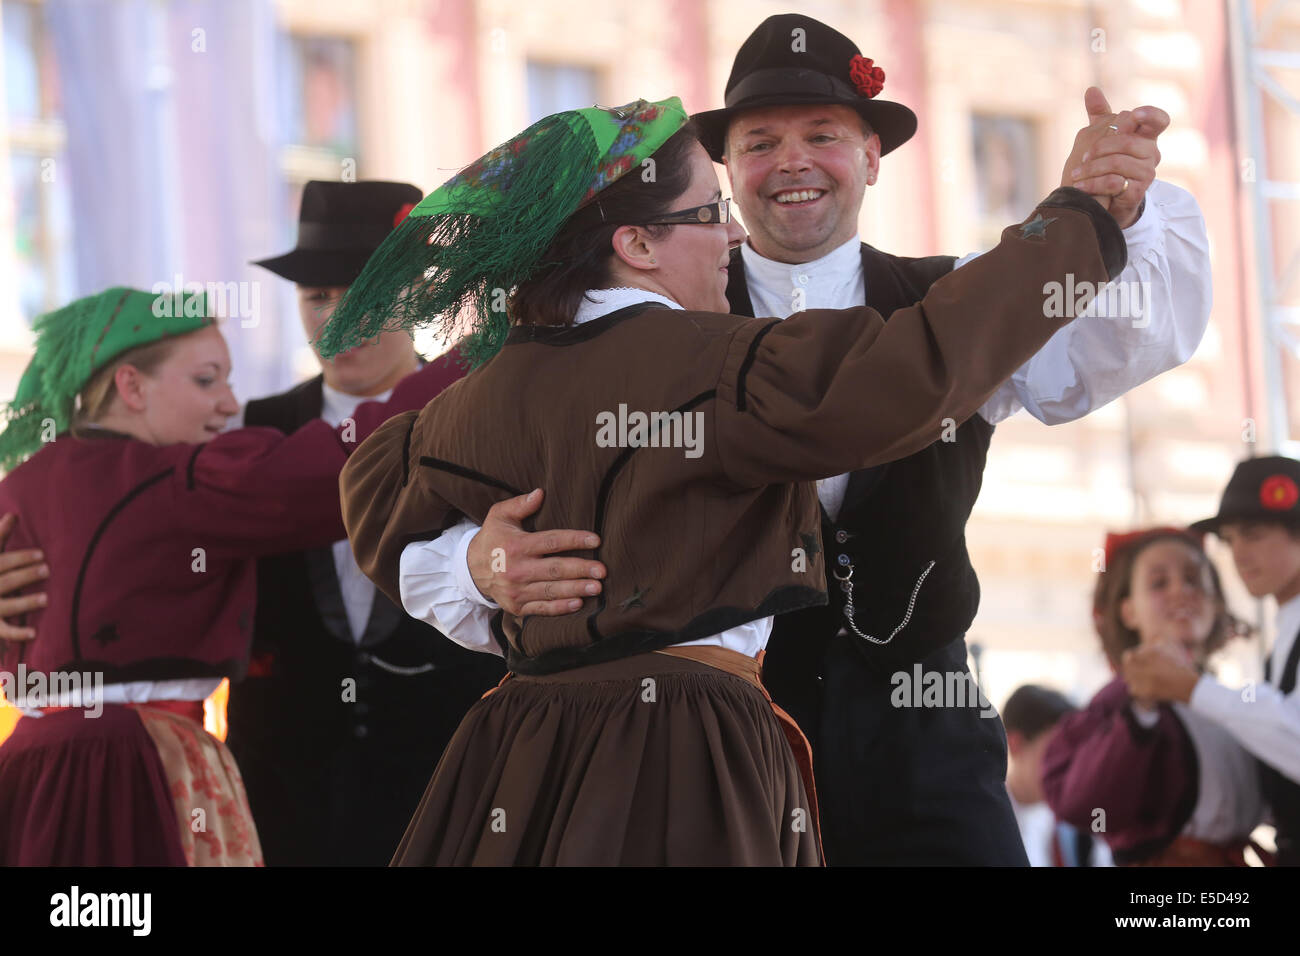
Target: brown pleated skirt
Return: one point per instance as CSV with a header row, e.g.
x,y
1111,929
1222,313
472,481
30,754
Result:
x,y
653,760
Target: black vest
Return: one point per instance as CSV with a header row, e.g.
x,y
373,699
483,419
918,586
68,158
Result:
x,y
896,519
1281,792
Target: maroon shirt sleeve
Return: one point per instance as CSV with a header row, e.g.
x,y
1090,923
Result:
x,y
1143,778
258,491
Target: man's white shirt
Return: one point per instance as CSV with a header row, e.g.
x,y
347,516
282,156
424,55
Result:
x,y
1264,720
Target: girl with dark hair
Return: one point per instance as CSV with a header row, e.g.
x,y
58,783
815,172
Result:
x,y
637,731
1163,785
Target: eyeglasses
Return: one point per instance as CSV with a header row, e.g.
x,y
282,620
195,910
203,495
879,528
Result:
x,y
708,214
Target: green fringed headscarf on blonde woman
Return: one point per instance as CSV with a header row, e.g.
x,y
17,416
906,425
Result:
x,y
75,342
484,231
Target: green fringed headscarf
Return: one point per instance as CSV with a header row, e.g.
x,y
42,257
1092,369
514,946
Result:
x,y
468,244
75,342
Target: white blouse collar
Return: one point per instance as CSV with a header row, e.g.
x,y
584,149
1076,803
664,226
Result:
x,y
601,302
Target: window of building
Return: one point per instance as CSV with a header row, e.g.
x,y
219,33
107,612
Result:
x,y
555,87
318,93
42,203
1006,172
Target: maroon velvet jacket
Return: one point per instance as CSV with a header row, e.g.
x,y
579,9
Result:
x,y
1144,778
151,547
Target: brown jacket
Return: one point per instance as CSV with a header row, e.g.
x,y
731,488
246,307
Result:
x,y
722,526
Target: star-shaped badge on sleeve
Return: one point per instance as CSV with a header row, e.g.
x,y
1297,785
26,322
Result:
x,y
1036,227
634,600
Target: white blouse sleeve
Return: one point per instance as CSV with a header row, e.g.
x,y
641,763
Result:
x,y
1264,720
1099,357
437,588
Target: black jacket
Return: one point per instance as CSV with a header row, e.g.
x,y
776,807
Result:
x,y
336,740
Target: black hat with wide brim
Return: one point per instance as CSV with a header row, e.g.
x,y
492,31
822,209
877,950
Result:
x,y
1261,489
340,225
794,60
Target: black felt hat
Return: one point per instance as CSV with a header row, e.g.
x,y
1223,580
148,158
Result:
x,y
1261,489
339,226
793,60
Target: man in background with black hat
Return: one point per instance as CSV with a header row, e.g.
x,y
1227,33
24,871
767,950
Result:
x,y
1259,519
348,701
802,134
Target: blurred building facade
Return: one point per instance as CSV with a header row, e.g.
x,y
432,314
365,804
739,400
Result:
x,y
232,105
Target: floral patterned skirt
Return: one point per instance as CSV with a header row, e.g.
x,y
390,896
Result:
x,y
212,812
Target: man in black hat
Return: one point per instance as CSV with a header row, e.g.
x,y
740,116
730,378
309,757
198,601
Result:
x,y
348,701
1259,519
802,135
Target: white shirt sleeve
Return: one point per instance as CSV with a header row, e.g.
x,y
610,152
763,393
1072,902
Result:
x,y
1098,357
437,588
1268,725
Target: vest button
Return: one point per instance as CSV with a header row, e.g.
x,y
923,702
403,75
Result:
x,y
841,536
359,731
844,559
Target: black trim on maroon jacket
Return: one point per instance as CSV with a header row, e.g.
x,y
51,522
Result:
x,y
94,542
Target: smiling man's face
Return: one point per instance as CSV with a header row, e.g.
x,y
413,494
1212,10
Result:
x,y
799,174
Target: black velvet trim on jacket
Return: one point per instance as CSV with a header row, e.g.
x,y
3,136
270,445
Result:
x,y
629,643
745,366
602,500
561,335
1114,250
455,469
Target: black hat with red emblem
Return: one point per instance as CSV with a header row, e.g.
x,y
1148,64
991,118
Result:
x,y
1261,489
794,60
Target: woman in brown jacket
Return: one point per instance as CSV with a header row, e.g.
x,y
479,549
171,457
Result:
x,y
636,730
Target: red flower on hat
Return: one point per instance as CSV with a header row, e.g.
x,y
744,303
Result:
x,y
866,76
1278,493
402,213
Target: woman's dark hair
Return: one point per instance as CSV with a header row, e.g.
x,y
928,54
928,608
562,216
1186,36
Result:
x,y
1115,584
578,258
